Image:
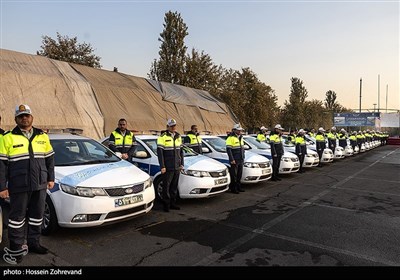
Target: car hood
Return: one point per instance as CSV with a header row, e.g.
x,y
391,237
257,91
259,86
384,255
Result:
x,y
203,163
255,158
100,175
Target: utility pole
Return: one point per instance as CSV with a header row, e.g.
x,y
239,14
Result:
x,y
360,92
379,92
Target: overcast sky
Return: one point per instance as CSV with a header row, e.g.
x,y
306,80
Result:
x,y
329,45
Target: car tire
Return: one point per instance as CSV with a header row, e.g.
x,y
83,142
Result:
x,y
158,189
50,222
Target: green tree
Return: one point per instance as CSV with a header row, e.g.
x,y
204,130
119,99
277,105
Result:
x,y
201,72
317,115
253,102
170,66
69,50
330,100
294,110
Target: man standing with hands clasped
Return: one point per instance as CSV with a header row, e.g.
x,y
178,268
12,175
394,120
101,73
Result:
x,y
235,151
26,171
170,158
122,140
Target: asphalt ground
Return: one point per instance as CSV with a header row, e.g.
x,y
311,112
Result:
x,y
346,213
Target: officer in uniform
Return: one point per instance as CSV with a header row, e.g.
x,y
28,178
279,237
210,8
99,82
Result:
x,y
320,145
261,136
170,158
122,140
235,151
342,138
301,148
275,140
291,138
332,139
193,140
353,139
27,164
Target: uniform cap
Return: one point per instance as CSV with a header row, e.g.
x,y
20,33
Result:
x,y
171,122
237,126
301,130
263,128
22,109
333,128
278,126
321,129
343,130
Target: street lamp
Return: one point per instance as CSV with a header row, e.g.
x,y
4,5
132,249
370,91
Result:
x,y
374,106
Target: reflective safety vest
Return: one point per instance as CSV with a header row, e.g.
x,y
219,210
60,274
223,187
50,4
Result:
x,y
312,134
234,147
120,143
261,137
194,142
300,140
29,162
331,136
170,151
275,141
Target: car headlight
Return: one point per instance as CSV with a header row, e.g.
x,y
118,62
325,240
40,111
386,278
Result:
x,y
195,173
83,191
251,165
147,183
286,159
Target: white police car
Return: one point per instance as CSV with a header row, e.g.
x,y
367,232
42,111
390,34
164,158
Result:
x,y
256,168
289,162
327,155
311,158
201,176
93,186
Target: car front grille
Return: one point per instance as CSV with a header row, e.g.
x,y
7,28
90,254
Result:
x,y
126,211
126,190
217,174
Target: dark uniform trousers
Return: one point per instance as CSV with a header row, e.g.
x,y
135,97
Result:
x,y
301,159
236,171
170,181
32,204
276,163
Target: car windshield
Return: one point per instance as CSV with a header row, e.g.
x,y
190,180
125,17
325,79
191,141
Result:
x,y
216,143
259,145
152,144
70,152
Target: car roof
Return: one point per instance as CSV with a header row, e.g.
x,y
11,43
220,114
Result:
x,y
65,136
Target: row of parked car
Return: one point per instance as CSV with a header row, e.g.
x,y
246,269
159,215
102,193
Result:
x,y
94,186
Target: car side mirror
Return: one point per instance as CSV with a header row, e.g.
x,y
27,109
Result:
x,y
246,147
205,150
141,154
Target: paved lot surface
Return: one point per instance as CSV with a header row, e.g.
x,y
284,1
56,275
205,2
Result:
x,y
343,214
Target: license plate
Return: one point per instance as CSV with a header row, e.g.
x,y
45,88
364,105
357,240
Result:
x,y
296,164
265,171
128,200
221,181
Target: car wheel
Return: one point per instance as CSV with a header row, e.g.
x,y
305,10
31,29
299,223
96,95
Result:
x,y
50,222
158,184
